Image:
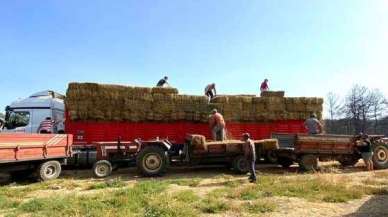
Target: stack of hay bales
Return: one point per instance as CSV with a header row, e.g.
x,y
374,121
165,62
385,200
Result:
x,y
90,101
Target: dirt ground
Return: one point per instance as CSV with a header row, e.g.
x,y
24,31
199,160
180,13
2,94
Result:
x,y
213,178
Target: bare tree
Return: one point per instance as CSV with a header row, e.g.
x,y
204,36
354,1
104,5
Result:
x,y
378,106
334,110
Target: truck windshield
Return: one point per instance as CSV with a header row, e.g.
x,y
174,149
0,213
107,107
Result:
x,y
17,119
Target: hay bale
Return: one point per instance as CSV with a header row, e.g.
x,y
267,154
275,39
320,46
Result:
x,y
272,94
164,90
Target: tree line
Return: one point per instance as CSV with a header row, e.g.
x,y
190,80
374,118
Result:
x,y
362,110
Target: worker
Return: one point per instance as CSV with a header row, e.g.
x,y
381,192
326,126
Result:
x,y
250,156
46,126
210,91
364,147
2,124
313,125
162,82
264,86
217,125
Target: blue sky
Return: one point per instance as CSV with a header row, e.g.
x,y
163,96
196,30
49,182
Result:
x,y
304,47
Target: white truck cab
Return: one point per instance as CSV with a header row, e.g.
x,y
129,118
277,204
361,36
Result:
x,y
26,115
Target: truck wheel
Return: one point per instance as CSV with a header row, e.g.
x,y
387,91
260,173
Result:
x,y
271,157
309,162
49,170
152,161
285,162
102,169
240,165
380,156
348,161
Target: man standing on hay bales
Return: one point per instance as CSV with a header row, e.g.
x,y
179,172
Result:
x,y
163,82
313,125
217,125
264,86
250,156
210,91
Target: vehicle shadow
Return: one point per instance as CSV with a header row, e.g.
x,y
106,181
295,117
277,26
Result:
x,y
374,207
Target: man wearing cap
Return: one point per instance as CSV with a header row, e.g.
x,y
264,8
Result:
x,y
313,125
217,125
250,156
162,82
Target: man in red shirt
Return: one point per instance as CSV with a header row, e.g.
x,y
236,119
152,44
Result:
x,y
264,86
217,126
46,126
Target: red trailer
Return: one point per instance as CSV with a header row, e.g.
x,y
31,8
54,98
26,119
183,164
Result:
x,y
41,154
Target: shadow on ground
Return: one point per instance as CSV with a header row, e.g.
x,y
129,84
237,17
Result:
x,y
377,206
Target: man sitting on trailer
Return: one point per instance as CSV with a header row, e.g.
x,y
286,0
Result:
x,y
210,91
250,156
313,125
364,146
217,125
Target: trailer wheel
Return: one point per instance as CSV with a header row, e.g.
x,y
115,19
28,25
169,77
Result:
x,y
271,157
309,162
152,161
285,162
49,170
240,165
380,156
102,169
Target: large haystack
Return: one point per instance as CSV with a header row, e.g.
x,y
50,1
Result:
x,y
90,101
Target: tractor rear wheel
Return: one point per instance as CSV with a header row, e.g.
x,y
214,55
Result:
x,y
152,161
380,155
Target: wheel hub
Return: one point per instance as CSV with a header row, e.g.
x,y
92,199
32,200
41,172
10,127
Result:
x,y
153,162
50,171
381,154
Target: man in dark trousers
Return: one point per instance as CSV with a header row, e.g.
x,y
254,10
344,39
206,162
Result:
x,y
217,125
210,90
364,146
162,82
250,156
264,86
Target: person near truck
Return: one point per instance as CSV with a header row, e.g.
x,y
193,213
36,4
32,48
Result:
x,y
364,147
264,86
46,126
217,125
313,125
162,82
250,156
210,91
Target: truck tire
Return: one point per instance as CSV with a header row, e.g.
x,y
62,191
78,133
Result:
x,y
285,162
49,170
380,155
308,162
152,161
348,161
102,169
240,165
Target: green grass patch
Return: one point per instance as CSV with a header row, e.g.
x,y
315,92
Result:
x,y
194,182
112,183
260,207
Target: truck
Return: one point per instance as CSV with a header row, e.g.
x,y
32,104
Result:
x,y
39,154
106,145
308,150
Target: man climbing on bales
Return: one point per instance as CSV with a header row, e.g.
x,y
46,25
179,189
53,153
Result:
x,y
217,125
163,82
264,86
210,91
250,156
313,125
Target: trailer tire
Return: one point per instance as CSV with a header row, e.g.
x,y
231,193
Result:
x,y
240,165
102,169
380,155
152,161
285,162
308,162
271,157
49,170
